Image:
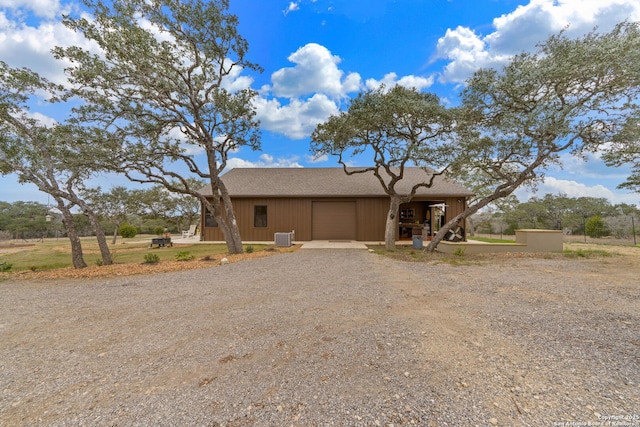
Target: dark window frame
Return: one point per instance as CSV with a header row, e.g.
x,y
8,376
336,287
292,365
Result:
x,y
260,217
209,220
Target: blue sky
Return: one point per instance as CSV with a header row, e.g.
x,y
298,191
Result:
x,y
316,54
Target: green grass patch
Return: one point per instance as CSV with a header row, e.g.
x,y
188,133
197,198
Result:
x,y
407,253
587,253
53,254
490,240
41,257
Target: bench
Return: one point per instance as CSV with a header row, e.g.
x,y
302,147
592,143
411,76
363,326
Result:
x,y
161,242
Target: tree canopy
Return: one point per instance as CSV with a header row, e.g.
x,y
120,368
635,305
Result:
x,y
397,128
625,149
47,155
570,96
164,87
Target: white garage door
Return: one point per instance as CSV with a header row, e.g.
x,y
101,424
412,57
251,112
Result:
x,y
334,221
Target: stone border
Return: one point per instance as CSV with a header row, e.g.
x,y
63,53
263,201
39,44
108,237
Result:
x,y
526,241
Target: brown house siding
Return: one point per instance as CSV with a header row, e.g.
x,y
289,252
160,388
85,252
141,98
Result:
x,y
287,214
284,215
455,206
372,217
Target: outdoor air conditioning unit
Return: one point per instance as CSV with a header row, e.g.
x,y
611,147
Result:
x,y
284,239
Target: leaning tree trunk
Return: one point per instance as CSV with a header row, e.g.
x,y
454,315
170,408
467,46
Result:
x,y
227,223
391,224
214,206
102,238
234,231
97,228
76,247
115,234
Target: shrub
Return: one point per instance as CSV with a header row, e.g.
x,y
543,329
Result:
x,y
158,231
249,249
127,231
460,251
5,266
184,256
595,227
151,258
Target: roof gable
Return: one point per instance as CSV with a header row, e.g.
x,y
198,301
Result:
x,y
327,182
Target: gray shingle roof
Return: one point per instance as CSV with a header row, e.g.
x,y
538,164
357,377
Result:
x,y
326,182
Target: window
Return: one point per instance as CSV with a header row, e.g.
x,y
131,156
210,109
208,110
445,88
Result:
x,y
259,216
209,220
407,214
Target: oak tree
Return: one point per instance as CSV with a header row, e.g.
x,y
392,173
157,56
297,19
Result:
x,y
395,129
165,87
570,96
178,209
44,154
115,205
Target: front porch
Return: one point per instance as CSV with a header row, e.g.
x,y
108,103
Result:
x,y
426,217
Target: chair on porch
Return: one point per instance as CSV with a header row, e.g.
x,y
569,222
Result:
x,y
190,232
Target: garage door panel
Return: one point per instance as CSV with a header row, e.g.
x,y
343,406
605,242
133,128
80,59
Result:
x,y
334,221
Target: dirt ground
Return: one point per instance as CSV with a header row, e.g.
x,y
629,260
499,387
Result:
x,y
574,243
322,337
130,269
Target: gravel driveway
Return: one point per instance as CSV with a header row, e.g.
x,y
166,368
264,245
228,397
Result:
x,y
328,337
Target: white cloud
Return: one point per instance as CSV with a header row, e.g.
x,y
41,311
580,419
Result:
x,y
315,74
41,8
576,189
316,71
523,28
320,158
293,6
43,119
467,52
552,185
25,45
297,119
266,161
391,79
234,81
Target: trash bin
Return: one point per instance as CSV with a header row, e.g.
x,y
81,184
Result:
x,y
417,242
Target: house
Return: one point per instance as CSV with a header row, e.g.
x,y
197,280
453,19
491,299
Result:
x,y
327,204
